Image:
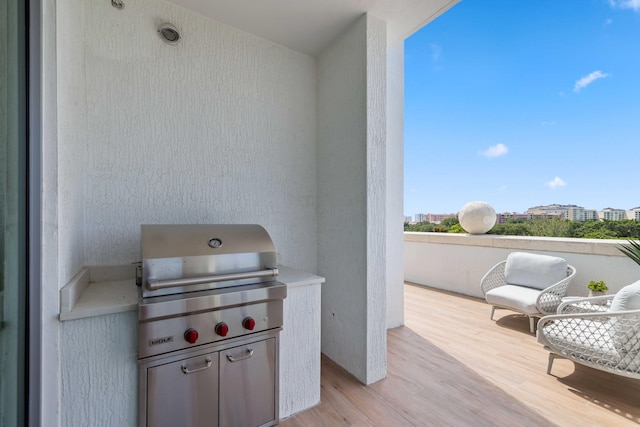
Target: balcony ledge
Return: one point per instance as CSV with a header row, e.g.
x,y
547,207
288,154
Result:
x,y
604,247
457,262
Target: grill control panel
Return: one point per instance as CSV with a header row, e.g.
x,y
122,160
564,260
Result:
x,y
177,333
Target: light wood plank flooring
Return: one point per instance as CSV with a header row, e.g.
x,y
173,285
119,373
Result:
x,y
452,366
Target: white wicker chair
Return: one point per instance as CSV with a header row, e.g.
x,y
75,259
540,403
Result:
x,y
528,300
592,332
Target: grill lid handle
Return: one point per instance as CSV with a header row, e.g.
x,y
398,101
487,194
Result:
x,y
154,284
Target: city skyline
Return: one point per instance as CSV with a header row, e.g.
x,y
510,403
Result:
x,y
528,209
523,103
567,211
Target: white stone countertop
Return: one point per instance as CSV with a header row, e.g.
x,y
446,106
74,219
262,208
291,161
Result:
x,y
96,291
294,278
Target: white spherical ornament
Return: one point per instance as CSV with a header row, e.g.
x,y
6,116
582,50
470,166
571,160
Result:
x,y
477,217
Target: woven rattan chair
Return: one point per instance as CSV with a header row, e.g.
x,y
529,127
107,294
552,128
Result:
x,y
531,284
600,332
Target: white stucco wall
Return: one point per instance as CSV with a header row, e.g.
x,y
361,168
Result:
x,y
99,375
300,350
218,129
351,183
457,262
395,186
72,134
376,199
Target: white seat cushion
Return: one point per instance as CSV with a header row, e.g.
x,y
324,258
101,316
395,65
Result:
x,y
533,270
627,298
519,298
625,334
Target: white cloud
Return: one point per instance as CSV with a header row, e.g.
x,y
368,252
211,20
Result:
x,y
608,21
495,151
436,51
555,183
587,80
626,4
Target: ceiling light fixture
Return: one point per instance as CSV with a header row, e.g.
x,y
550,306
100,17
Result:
x,y
169,33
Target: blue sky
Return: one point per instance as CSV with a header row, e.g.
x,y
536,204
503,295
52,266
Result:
x,y
524,103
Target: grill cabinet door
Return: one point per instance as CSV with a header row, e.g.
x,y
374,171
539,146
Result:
x,y
247,385
184,393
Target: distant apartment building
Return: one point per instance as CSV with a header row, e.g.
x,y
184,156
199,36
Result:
x,y
407,219
553,210
611,214
591,215
502,218
578,213
571,212
433,218
437,218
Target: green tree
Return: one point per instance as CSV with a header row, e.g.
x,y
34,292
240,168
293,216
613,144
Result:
x,y
549,227
450,222
457,228
511,229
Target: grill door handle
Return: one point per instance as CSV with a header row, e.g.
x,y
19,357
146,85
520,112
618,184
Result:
x,y
207,365
237,359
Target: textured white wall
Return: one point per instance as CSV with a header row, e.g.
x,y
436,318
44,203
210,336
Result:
x,y
99,378
300,350
395,186
342,245
218,129
457,263
72,134
351,182
376,199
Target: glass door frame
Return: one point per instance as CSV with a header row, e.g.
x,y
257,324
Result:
x,y
34,18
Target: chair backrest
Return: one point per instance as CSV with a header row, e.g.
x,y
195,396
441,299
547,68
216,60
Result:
x,y
534,270
627,298
625,333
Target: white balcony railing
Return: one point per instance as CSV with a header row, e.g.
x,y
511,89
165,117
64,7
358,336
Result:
x,y
457,262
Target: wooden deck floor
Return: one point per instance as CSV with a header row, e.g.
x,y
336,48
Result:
x,y
452,366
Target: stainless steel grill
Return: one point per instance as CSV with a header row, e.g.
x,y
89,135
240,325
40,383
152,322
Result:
x,y
210,313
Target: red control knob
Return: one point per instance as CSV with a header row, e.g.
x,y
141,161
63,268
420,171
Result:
x,y
222,329
249,323
191,336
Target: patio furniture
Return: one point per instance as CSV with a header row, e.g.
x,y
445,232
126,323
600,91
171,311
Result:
x,y
527,283
601,332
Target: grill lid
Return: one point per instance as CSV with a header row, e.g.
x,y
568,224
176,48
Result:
x,y
180,258
185,240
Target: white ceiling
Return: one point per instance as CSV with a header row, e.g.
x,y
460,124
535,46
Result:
x,y
311,25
